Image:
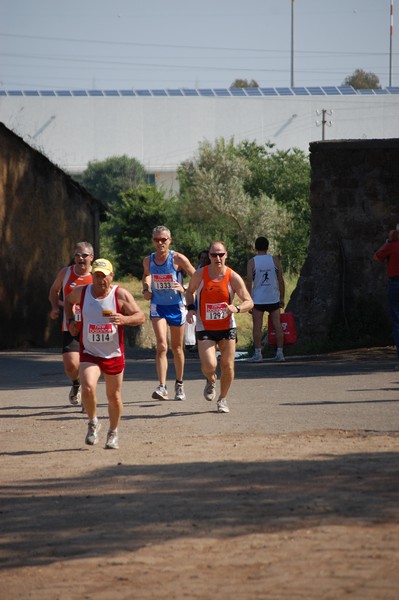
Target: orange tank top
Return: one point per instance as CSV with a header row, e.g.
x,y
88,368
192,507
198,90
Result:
x,y
70,282
213,297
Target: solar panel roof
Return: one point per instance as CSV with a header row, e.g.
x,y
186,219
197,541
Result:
x,y
329,90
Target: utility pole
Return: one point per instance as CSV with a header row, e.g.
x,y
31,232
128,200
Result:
x,y
390,42
323,112
292,43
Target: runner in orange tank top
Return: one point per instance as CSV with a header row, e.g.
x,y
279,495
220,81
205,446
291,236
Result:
x,y
67,279
215,287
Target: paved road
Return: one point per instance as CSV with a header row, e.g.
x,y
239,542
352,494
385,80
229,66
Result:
x,y
349,391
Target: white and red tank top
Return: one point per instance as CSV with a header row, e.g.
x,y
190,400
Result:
x,y
100,337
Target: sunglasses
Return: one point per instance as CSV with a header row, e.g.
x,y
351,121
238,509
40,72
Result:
x,y
162,240
82,254
215,254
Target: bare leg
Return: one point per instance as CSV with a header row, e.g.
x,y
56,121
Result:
x,y
89,376
227,352
207,354
161,334
275,317
71,364
176,342
257,324
113,385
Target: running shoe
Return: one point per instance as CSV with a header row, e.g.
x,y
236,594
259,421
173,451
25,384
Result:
x,y
255,358
74,395
210,390
161,393
112,442
92,433
279,358
179,391
222,406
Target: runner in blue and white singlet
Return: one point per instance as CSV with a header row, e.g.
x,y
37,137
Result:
x,y
163,287
163,294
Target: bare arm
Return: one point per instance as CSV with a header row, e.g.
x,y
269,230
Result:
x,y
193,286
147,294
250,274
240,289
183,263
54,294
130,313
72,298
280,279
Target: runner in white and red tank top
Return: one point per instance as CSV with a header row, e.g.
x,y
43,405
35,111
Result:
x,y
105,309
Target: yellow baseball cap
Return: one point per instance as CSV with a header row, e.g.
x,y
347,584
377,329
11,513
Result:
x,y
103,265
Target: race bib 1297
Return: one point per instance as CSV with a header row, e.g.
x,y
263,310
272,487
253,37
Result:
x,y
214,312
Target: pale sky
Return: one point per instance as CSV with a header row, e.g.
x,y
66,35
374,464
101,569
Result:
x,y
150,44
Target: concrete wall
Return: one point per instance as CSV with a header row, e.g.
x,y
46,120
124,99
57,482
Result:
x,y
43,212
354,201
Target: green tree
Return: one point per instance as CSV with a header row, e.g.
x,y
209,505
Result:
x,y
244,83
214,199
248,190
106,179
361,80
131,221
283,175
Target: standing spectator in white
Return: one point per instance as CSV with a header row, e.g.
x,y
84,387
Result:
x,y
266,285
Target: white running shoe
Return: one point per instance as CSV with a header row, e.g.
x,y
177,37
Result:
x,y
92,433
74,395
255,358
210,390
222,406
179,391
279,358
161,393
112,442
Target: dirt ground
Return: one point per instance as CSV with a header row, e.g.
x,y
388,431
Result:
x,y
198,505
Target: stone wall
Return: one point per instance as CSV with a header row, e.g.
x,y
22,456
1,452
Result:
x,y
341,296
43,212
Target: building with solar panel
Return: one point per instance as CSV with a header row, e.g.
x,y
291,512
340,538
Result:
x,y
161,128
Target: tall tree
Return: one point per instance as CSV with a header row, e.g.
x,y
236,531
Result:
x,y
213,191
249,190
106,179
285,176
131,221
361,80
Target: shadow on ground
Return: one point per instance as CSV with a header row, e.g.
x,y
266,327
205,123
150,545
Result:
x,y
38,369
124,507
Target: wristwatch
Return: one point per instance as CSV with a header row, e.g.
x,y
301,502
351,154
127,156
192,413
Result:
x,y
238,308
